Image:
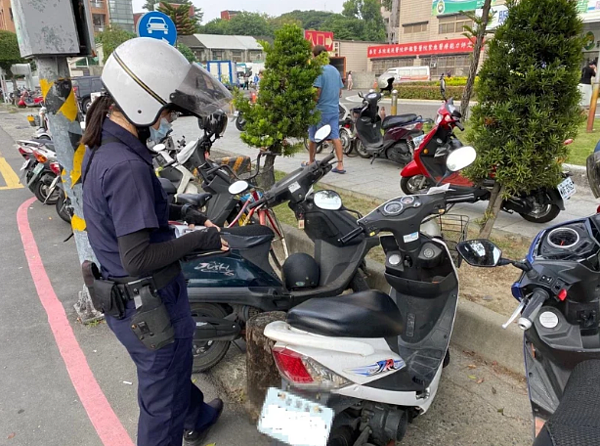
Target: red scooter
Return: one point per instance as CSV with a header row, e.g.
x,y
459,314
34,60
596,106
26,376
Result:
x,y
27,101
428,168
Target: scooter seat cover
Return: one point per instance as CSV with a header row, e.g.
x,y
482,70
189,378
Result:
x,y
245,237
396,120
576,421
368,314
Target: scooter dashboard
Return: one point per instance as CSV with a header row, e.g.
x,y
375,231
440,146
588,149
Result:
x,y
396,206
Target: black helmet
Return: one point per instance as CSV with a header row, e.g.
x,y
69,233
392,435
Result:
x,y
301,271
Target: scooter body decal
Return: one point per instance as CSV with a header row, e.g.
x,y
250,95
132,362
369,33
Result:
x,y
387,365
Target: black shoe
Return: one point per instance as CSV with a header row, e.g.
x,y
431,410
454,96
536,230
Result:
x,y
195,438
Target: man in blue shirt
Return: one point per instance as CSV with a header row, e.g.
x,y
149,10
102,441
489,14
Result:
x,y
329,90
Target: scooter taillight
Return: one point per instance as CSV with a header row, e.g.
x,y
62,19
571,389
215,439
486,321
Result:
x,y
55,167
303,371
598,210
291,366
41,158
24,151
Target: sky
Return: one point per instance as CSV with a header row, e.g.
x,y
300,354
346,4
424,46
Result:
x,y
212,9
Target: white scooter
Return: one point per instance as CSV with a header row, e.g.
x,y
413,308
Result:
x,y
170,164
357,368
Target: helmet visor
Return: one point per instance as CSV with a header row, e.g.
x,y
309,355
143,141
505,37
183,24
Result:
x,y
593,173
200,93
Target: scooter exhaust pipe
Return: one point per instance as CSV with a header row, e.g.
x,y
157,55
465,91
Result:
x,y
386,423
215,329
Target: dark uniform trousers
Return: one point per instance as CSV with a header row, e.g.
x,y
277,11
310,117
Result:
x,y
169,401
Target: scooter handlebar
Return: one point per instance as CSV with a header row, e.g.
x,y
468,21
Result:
x,y
351,235
460,126
536,301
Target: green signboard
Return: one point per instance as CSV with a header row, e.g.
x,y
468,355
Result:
x,y
454,6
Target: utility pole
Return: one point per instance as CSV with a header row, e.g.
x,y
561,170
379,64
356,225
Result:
x,y
71,20
479,40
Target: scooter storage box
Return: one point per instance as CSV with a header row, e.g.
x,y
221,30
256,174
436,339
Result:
x,y
330,226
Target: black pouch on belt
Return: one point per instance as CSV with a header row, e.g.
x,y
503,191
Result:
x,y
151,322
105,294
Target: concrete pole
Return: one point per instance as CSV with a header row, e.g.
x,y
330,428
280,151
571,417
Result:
x,y
62,112
594,100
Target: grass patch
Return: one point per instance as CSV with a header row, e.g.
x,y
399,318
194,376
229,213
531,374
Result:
x,y
584,144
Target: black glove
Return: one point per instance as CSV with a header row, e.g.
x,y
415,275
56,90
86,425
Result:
x,y
191,216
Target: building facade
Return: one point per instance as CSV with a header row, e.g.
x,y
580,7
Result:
x,y
7,22
430,32
228,15
100,17
241,49
121,14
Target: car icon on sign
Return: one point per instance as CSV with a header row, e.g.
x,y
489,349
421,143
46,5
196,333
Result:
x,y
157,24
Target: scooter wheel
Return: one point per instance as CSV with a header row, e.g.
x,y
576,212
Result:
x,y
62,208
240,123
40,190
411,185
544,215
362,150
208,354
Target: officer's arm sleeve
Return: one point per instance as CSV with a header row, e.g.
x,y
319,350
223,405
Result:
x,y
139,256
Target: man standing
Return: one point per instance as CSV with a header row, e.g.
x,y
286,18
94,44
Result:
x,y
329,87
585,84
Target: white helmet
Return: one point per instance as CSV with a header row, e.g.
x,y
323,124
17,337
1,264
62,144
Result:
x,y
145,75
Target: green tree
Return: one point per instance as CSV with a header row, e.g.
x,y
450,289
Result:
x,y
369,12
308,19
9,51
180,14
216,26
187,52
528,100
387,4
250,24
150,5
285,104
111,38
346,28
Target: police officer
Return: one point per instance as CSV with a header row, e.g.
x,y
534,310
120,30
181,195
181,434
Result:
x,y
148,82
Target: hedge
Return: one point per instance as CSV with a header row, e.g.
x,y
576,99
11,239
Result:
x,y
428,92
450,82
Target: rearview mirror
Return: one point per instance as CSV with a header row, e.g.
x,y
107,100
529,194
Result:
x,y
361,95
323,133
157,148
239,187
482,253
460,158
328,200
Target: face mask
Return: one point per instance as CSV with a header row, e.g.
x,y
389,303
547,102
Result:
x,y
157,136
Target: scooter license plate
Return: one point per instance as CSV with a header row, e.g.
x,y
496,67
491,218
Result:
x,y
567,189
35,173
295,420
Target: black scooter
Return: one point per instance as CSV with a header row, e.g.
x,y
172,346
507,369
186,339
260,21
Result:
x,y
225,290
399,131
559,313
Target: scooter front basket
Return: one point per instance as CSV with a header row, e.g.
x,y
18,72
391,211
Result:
x,y
454,229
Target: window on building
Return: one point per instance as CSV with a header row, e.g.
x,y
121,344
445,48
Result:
x,y
417,28
454,24
237,56
456,65
382,65
218,54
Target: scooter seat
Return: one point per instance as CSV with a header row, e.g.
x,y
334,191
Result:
x,y
246,237
368,314
577,418
397,120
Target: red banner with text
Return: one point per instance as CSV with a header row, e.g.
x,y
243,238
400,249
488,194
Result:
x,y
448,46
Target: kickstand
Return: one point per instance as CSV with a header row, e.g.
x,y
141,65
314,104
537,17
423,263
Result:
x,y
238,347
69,237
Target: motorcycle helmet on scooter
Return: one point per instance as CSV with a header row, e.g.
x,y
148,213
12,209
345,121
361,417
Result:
x,y
301,271
144,76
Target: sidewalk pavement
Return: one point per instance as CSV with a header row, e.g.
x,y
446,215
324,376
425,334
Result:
x,y
381,181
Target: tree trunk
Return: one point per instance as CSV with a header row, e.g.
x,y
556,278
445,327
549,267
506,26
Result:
x,y
261,370
464,105
266,179
492,211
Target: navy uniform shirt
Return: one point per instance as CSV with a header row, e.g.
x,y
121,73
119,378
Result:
x,y
122,195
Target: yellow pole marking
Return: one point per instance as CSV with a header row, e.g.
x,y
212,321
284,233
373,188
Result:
x,y
69,108
78,223
10,177
77,161
45,86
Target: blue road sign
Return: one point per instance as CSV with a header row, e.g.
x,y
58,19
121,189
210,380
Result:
x,y
158,26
